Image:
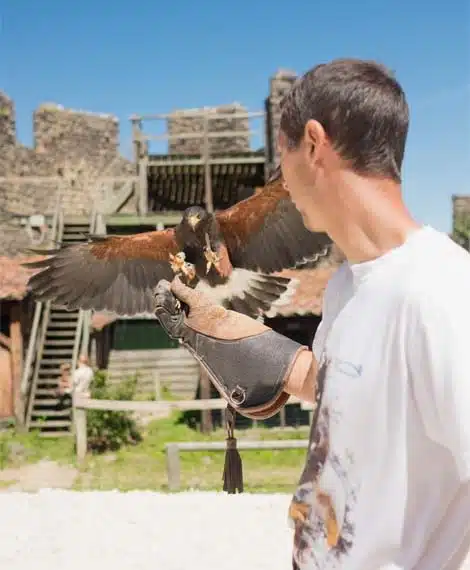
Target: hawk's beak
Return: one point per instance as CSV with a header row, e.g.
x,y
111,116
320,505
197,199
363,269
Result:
x,y
193,221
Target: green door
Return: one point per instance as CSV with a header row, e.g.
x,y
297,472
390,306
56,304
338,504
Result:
x,y
141,334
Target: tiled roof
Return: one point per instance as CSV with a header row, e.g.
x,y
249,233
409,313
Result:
x,y
14,277
308,295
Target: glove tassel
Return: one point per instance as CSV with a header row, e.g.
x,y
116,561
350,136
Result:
x,y
233,468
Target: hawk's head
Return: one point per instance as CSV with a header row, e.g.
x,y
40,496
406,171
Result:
x,y
196,218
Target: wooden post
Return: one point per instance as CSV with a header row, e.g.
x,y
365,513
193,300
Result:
x,y
79,415
206,415
141,161
157,385
173,466
207,166
16,343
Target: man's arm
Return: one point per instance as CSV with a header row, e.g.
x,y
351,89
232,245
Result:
x,y
439,360
249,363
302,380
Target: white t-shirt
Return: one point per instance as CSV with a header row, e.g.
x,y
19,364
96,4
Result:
x,y
391,448
82,377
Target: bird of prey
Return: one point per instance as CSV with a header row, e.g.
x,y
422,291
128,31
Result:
x,y
230,255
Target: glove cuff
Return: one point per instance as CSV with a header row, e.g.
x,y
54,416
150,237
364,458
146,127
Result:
x,y
249,373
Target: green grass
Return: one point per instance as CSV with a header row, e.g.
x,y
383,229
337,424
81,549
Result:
x,y
143,466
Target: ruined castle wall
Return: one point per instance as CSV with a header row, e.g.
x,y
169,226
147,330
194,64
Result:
x,y
279,85
460,208
180,123
74,150
79,152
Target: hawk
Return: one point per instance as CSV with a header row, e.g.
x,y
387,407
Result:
x,y
231,255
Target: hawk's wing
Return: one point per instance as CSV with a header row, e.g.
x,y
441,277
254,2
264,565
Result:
x,y
266,232
114,273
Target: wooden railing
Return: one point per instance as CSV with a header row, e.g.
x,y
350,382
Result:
x,y
173,450
82,332
39,325
81,404
205,135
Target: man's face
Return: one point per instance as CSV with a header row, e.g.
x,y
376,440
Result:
x,y
303,180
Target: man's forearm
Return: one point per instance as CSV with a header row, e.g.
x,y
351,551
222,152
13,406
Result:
x,y
302,379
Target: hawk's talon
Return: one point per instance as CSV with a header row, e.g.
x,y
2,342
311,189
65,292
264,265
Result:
x,y
177,262
180,266
212,259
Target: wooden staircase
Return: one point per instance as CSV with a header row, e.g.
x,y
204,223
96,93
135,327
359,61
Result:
x,y
59,342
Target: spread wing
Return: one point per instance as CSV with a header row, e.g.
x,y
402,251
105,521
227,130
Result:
x,y
266,232
114,273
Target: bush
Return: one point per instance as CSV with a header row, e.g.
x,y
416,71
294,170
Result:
x,y
109,430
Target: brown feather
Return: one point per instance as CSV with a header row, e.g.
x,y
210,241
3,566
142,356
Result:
x,y
156,245
114,273
265,232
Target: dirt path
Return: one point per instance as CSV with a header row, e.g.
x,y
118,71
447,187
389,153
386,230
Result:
x,y
42,475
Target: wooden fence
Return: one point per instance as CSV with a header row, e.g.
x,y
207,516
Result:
x,y
82,404
173,452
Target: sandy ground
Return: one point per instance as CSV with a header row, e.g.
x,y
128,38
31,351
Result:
x,y
41,475
152,518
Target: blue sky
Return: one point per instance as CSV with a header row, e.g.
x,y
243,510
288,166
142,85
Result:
x,y
125,57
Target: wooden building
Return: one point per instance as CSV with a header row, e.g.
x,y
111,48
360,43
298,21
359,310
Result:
x,y
16,311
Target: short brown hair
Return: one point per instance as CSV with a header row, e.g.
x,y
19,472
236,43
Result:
x,y
362,108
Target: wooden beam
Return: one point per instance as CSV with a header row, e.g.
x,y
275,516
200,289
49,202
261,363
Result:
x,y
81,404
80,428
173,450
156,406
16,339
5,341
166,218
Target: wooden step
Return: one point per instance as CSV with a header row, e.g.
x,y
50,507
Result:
x,y
49,373
62,342
51,361
49,414
56,316
50,423
45,392
68,334
51,402
57,351
55,433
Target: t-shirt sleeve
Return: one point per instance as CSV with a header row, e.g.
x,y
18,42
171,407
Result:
x,y
439,358
335,292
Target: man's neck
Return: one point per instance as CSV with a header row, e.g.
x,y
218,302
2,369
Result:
x,y
372,218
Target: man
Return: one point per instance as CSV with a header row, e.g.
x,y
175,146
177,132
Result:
x,y
386,480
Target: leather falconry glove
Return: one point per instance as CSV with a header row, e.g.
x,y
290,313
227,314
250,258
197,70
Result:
x,y
247,362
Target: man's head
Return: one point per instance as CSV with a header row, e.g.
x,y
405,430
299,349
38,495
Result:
x,y
347,115
83,359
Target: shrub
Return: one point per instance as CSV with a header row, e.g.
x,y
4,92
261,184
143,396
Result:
x,y
109,430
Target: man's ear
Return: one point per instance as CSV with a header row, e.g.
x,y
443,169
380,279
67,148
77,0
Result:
x,y
314,139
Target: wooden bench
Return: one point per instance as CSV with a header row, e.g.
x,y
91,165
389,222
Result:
x,y
173,452
82,404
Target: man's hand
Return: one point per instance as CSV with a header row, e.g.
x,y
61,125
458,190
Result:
x,y
202,314
247,361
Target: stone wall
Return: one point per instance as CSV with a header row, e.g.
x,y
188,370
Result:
x,y
180,123
75,151
460,207
279,85
78,152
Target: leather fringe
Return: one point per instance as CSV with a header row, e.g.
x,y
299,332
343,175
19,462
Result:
x,y
233,468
